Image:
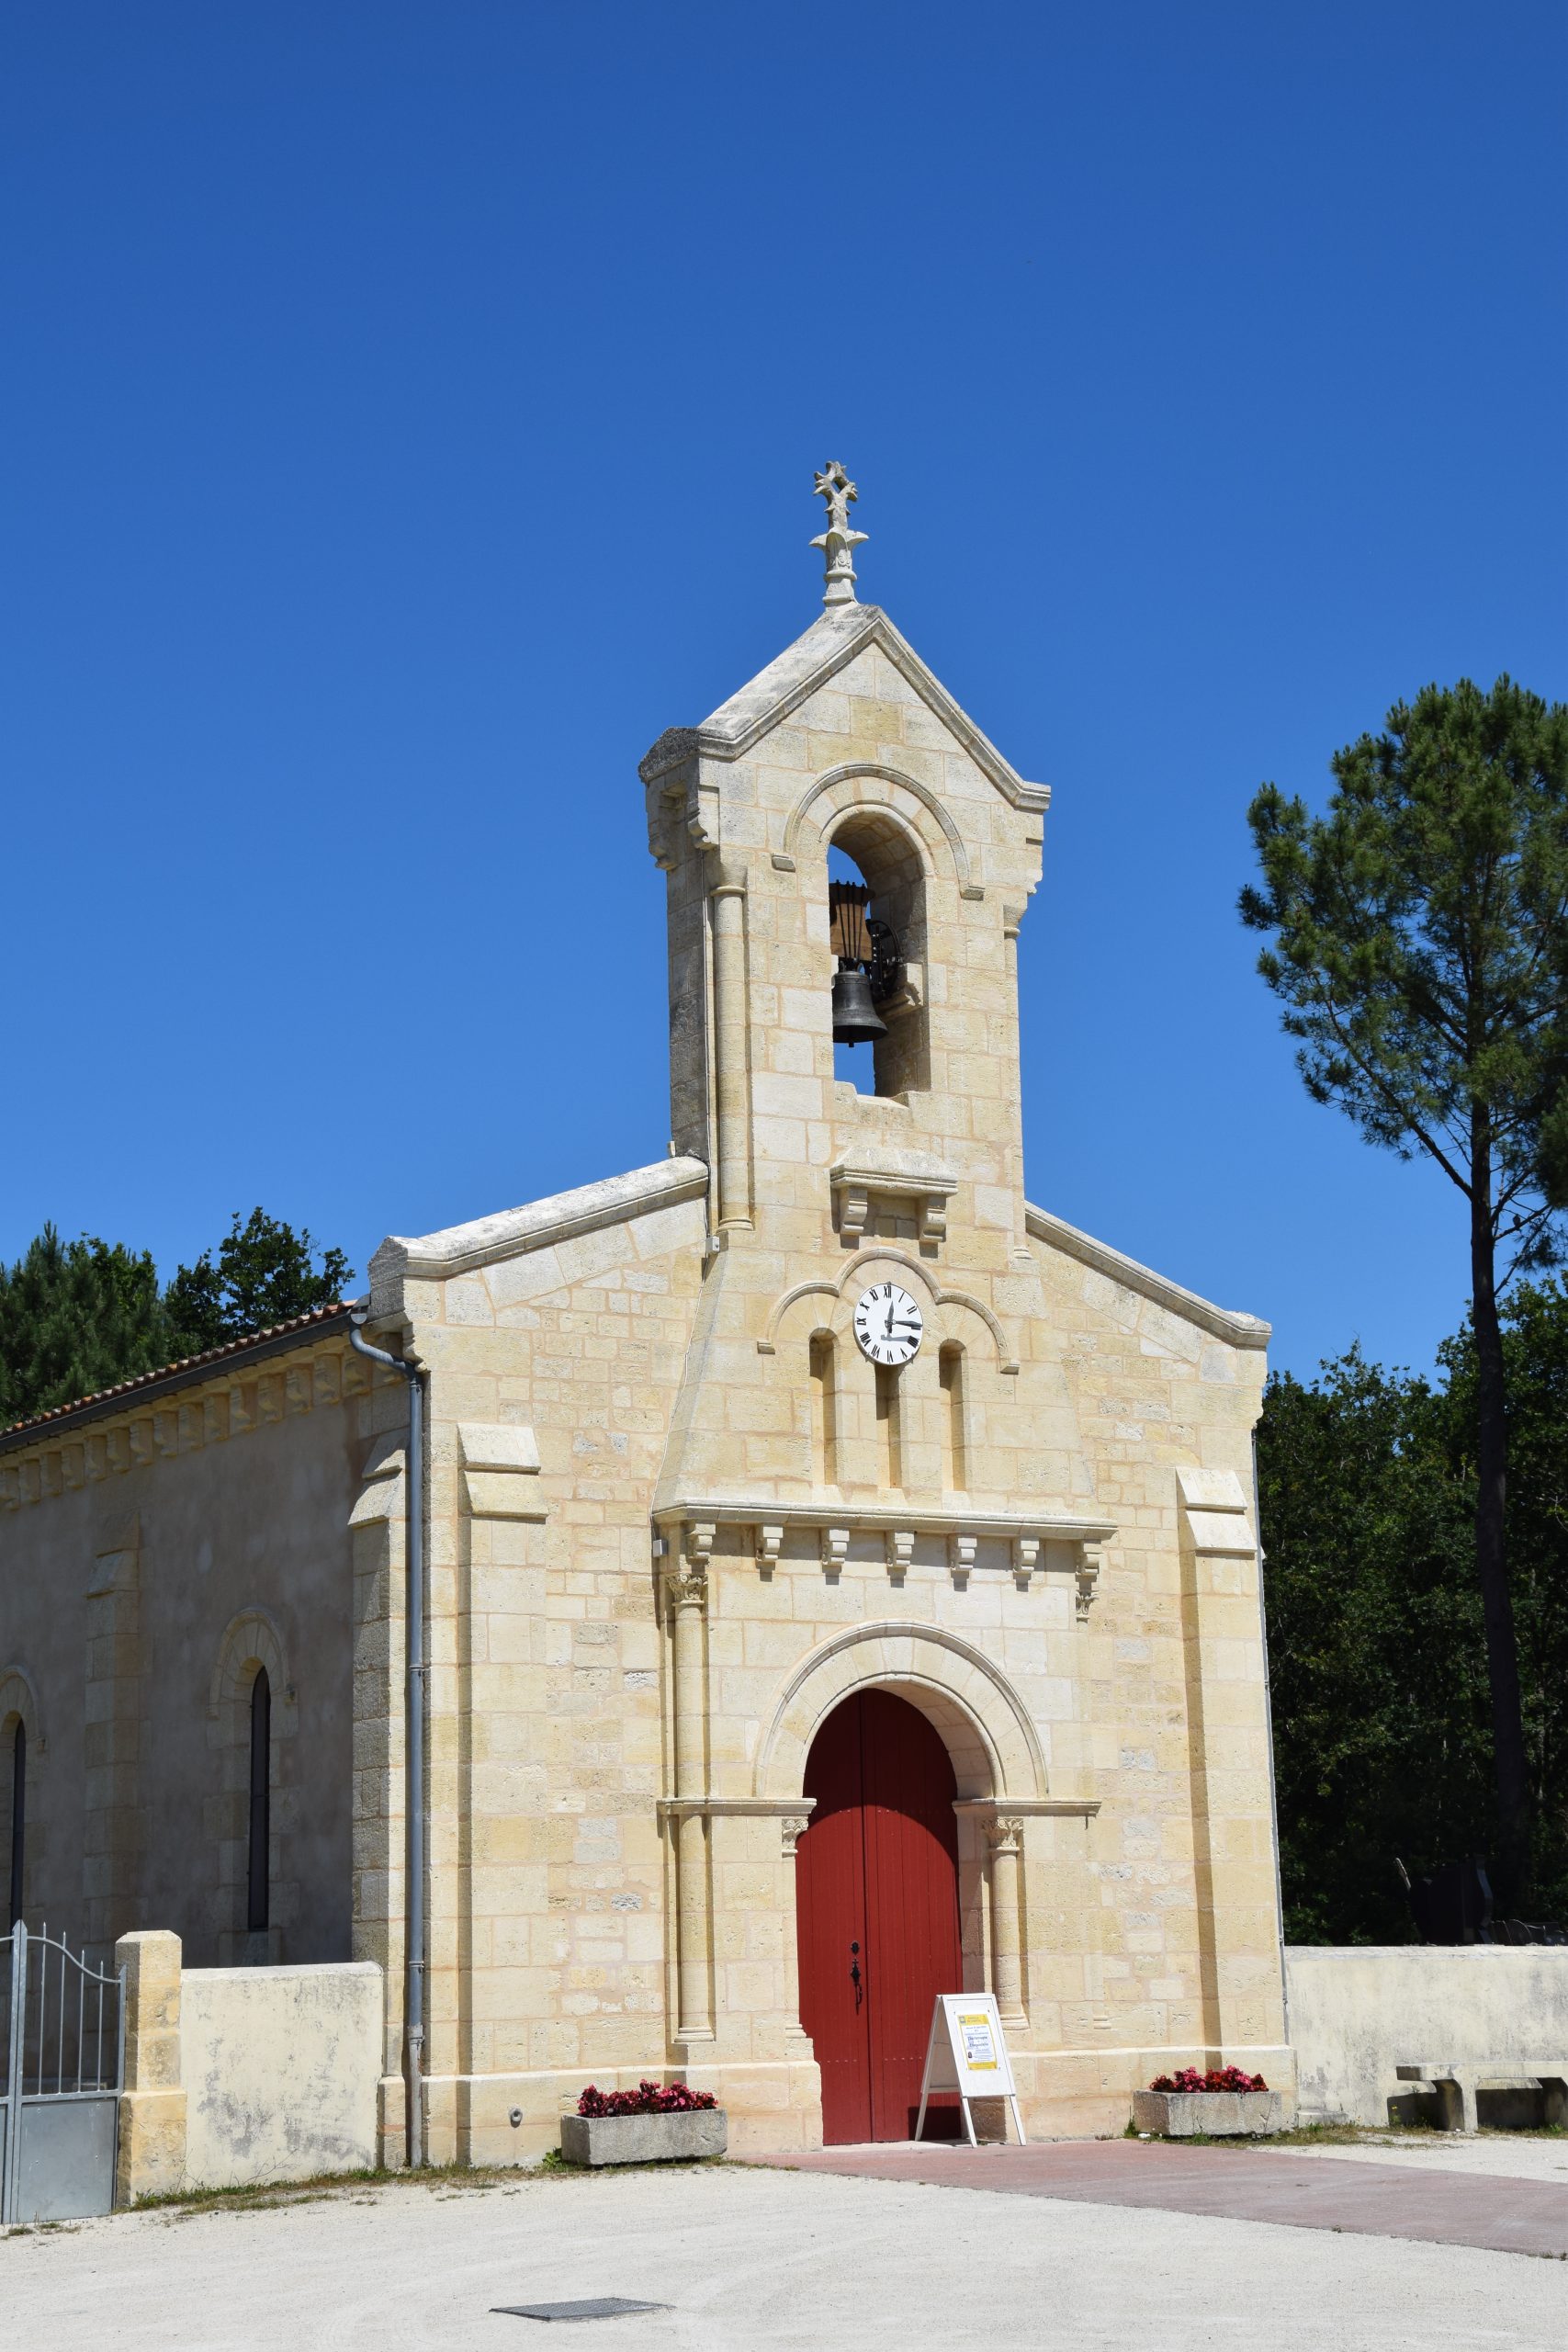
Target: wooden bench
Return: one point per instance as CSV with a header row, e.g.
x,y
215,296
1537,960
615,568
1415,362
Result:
x,y
1456,2086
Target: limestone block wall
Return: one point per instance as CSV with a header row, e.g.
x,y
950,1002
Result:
x,y
554,1364
280,2068
154,1551
1358,2011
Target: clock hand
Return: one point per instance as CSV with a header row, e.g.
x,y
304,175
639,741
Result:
x,y
889,1333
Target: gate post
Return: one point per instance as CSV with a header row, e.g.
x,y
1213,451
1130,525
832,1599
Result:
x,y
151,2155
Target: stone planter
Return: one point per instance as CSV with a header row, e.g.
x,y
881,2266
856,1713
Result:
x,y
1218,2115
644,2139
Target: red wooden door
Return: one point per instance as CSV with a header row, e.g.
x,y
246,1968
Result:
x,y
877,1869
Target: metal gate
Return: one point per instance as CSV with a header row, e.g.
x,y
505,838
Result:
x,y
63,2051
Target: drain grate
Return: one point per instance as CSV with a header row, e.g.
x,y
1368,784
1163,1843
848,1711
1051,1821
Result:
x,y
597,2307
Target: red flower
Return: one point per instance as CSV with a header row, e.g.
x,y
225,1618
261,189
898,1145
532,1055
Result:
x,y
1218,2078
649,2098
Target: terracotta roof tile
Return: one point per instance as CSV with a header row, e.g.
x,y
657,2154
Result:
x,y
184,1366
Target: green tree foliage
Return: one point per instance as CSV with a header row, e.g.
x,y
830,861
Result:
x,y
1377,1642
79,1316
74,1316
1420,949
264,1273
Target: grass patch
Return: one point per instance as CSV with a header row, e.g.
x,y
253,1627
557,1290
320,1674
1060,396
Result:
x,y
360,2187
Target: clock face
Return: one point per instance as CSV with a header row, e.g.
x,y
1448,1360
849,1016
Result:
x,y
888,1326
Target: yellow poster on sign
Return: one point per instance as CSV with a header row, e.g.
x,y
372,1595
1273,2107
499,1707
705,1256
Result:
x,y
979,2049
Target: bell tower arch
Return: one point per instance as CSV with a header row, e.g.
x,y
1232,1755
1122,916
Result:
x,y
846,742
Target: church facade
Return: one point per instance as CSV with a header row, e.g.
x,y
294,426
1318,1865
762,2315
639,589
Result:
x,y
842,1583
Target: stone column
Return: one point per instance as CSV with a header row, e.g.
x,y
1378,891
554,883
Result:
x,y
793,1827
687,1590
732,1091
151,2161
1005,1836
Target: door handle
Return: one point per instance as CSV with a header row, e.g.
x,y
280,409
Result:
x,y
854,1972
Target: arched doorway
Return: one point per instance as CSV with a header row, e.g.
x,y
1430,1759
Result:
x,y
876,1870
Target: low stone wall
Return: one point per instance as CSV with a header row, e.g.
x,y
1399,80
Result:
x,y
1356,2011
235,2077
280,2068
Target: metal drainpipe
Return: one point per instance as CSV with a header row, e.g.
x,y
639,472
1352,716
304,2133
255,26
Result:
x,y
413,1798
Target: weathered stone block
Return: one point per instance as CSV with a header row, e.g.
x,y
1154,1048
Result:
x,y
1214,2115
643,2139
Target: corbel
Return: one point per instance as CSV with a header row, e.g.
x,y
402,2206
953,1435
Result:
x,y
1087,1576
73,1465
299,1388
901,1553
1025,1560
770,1543
215,1416
51,1475
854,1209
10,1490
933,1216
193,1431
835,1552
961,1550
116,1445
166,1430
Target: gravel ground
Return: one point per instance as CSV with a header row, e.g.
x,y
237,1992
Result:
x,y
1514,2157
755,2258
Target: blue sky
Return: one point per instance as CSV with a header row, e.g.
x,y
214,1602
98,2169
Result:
x,y
410,410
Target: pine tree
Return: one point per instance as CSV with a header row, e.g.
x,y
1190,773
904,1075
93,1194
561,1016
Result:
x,y
1420,949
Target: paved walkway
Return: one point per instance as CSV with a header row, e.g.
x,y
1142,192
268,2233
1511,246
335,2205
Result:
x,y
1365,2198
757,2260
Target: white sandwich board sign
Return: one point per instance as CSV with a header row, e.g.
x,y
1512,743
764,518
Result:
x,y
967,2055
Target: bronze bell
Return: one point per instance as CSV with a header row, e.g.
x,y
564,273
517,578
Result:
x,y
855,1018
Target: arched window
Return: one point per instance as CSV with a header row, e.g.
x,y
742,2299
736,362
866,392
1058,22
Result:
x,y
261,1801
824,1409
880,922
956,1435
889,1426
18,1820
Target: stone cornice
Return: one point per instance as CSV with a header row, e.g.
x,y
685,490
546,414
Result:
x,y
1221,1322
827,645
511,1233
1048,1524
221,1367
205,1402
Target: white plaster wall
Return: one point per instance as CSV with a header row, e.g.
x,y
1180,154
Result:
x,y
280,2068
1356,2011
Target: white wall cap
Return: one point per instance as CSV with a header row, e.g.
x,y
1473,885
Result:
x,y
458,1249
833,640
1210,1489
498,1446
1221,1322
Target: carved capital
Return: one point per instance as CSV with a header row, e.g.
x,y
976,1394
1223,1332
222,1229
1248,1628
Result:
x,y
1004,1833
686,1577
793,1827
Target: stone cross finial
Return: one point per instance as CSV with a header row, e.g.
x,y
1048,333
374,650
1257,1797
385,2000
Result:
x,y
837,541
